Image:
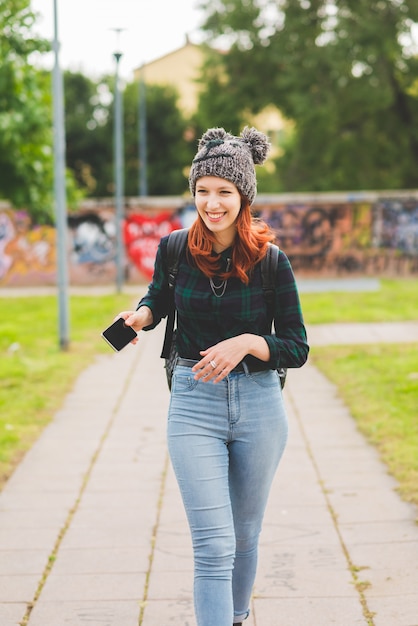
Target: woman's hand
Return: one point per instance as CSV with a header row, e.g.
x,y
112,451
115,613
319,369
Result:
x,y
219,360
136,319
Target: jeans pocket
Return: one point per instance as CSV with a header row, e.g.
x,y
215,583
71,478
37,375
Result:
x,y
183,380
265,378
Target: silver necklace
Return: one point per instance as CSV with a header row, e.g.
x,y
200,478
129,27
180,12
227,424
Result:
x,y
219,290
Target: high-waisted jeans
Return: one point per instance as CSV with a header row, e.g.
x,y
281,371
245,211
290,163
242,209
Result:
x,y
225,442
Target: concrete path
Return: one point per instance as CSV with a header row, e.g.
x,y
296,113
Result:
x,y
92,529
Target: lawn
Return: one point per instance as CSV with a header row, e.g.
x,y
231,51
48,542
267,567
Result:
x,y
396,300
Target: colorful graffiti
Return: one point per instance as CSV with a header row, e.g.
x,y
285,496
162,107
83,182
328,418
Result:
x,y
25,252
395,225
142,234
319,237
92,247
322,236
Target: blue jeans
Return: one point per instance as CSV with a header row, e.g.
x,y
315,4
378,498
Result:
x,y
225,442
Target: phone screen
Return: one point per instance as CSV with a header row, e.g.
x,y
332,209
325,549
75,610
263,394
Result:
x,y
118,335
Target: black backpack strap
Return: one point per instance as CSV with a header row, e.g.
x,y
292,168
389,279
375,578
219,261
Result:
x,y
177,241
268,275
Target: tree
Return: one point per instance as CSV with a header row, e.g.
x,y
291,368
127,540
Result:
x,y
26,172
169,151
90,138
218,98
343,71
89,153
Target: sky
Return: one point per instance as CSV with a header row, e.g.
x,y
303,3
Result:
x,y
152,28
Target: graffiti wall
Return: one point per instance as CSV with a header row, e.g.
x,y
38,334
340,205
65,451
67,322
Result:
x,y
374,236
27,252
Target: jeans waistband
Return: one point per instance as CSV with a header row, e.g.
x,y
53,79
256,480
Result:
x,y
241,367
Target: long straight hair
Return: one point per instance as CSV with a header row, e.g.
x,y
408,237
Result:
x,y
250,245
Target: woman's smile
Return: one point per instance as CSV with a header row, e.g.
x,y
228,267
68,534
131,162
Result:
x,y
218,203
215,217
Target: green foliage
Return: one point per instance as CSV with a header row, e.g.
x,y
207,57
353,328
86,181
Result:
x,y
168,151
90,137
88,127
26,173
342,72
218,99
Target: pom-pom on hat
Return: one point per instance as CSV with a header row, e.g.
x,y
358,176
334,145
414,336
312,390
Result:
x,y
233,158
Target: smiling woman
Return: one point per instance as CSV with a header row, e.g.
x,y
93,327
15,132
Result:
x,y
227,424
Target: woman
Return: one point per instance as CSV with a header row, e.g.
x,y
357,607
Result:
x,y
227,426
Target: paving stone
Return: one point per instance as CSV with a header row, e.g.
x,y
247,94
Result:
x,y
102,561
93,587
301,533
176,585
398,610
18,588
13,562
28,538
91,537
293,570
368,505
328,610
379,532
33,519
103,613
170,612
12,613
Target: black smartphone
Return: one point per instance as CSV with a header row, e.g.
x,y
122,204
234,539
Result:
x,y
118,334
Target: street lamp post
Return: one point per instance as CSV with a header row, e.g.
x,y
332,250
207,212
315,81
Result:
x,y
119,166
59,192
143,174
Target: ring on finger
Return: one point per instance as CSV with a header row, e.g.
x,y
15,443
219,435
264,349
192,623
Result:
x,y
213,364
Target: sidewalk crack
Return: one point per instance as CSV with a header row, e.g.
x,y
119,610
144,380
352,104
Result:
x,y
155,529
354,570
52,557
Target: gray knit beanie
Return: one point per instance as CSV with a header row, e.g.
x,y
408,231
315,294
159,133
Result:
x,y
233,158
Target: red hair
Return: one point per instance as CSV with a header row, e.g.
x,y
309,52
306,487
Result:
x,y
250,245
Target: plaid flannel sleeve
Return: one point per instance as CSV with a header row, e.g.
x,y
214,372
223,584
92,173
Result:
x,y
157,296
288,346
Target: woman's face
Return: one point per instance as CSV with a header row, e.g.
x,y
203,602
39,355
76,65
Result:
x,y
218,203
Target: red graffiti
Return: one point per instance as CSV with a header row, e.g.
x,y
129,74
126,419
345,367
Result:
x,y
142,235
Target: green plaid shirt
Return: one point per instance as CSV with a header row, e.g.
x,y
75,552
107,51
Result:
x,y
204,319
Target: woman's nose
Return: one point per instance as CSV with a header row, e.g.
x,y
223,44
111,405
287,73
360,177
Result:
x,y
213,201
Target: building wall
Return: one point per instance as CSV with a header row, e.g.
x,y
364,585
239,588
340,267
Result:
x,y
180,69
324,235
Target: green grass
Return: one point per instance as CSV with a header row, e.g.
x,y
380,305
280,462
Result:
x,y
35,374
396,300
379,384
